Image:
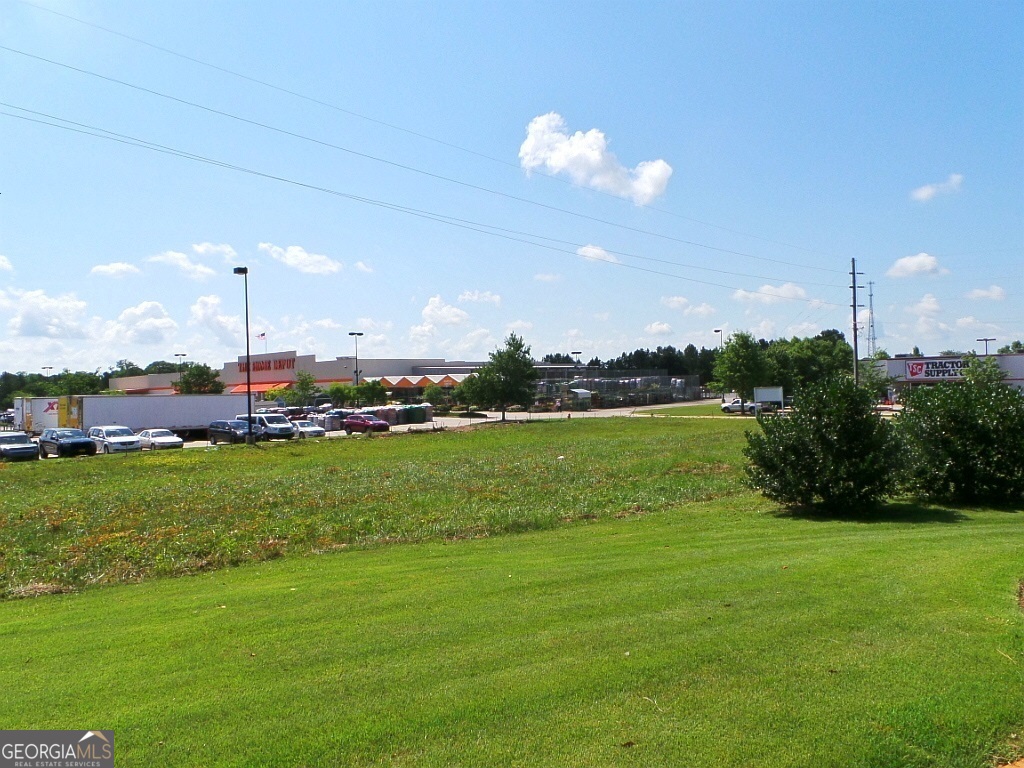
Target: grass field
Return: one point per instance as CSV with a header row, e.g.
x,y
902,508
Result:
x,y
645,611
708,408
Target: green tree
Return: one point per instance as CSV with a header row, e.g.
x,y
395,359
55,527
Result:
x,y
161,366
371,393
341,394
831,450
1015,346
435,395
508,378
742,365
965,440
199,379
305,388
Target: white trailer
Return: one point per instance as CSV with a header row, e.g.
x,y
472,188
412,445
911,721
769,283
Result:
x,y
178,413
34,414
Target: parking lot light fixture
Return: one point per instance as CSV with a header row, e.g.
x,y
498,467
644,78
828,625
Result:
x,y
244,272
355,373
180,356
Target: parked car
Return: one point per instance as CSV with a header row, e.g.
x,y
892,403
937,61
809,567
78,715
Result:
x,y
738,406
308,429
364,422
272,425
64,441
158,439
115,439
232,431
17,446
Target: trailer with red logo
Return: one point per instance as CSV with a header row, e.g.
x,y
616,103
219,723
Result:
x,y
34,414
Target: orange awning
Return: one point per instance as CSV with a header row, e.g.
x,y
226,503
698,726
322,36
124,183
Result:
x,y
240,388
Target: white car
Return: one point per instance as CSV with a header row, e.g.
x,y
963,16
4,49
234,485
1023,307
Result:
x,y
158,439
738,406
308,429
114,439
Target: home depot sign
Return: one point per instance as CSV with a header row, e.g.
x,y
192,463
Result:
x,y
275,364
942,369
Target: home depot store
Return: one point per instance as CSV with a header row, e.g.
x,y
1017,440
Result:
x,y
278,370
914,371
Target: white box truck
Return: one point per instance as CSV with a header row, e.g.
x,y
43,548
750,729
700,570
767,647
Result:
x,y
178,413
34,414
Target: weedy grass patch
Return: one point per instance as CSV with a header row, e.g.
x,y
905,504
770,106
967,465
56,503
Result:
x,y
104,520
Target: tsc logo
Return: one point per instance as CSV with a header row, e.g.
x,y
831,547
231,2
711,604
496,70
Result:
x,y
914,369
50,407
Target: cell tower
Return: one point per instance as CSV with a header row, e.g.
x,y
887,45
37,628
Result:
x,y
871,318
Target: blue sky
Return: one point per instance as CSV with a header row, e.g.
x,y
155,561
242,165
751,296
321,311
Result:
x,y
596,177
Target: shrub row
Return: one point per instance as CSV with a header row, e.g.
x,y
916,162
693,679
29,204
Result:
x,y
955,441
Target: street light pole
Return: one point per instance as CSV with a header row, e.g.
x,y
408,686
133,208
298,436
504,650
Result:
x,y
180,355
244,272
721,337
986,344
355,336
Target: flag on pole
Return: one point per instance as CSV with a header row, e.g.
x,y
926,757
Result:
x,y
262,336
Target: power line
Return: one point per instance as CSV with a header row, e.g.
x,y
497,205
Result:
x,y
479,227
393,126
402,166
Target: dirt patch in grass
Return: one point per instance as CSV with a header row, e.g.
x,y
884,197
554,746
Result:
x,y
38,589
1020,595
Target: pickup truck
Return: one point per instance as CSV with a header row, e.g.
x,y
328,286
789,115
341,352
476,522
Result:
x,y
738,406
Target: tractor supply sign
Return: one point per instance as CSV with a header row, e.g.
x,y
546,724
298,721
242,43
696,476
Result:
x,y
56,749
943,369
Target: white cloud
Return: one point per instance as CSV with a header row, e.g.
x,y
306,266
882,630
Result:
x,y
596,253
701,310
224,250
993,292
115,269
297,258
481,297
547,277
658,328
974,324
438,313
379,326
771,294
39,315
146,323
181,261
206,313
585,158
679,302
363,267
947,187
927,306
921,264
5,264
519,325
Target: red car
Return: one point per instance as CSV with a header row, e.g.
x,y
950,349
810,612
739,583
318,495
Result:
x,y
364,422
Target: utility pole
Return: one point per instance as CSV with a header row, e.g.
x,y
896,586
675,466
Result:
x,y
856,306
871,319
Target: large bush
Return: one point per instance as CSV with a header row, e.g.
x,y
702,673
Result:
x,y
965,440
831,450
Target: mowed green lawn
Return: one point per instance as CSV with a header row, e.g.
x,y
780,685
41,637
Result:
x,y
613,625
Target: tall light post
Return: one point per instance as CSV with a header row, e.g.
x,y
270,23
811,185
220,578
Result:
x,y
721,337
180,355
244,272
355,337
46,370
986,344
